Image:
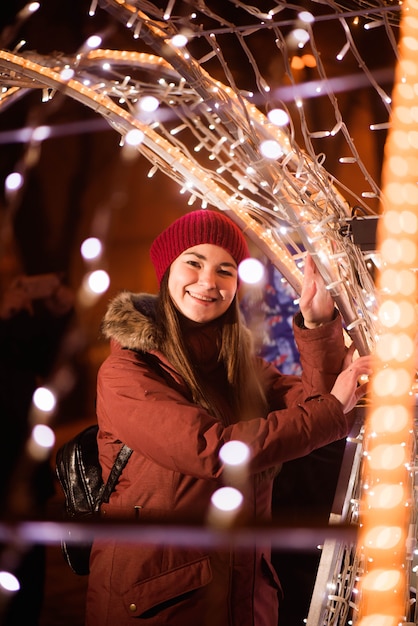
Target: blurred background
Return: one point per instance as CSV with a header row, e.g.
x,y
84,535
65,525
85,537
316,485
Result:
x,y
80,183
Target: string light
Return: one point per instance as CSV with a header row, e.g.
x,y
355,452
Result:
x,y
251,271
258,193
91,248
386,512
44,399
8,582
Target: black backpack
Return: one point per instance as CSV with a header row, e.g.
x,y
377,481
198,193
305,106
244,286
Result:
x,y
80,476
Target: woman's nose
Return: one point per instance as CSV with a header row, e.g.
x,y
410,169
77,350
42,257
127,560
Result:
x,y
207,277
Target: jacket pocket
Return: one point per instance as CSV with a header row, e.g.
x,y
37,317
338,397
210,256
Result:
x,y
159,592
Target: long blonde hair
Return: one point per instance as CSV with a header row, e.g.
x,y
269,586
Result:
x,y
236,353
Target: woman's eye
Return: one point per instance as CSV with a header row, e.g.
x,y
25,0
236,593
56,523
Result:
x,y
193,263
225,273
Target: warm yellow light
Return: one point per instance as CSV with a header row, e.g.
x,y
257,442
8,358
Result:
x,y
387,457
377,619
389,313
400,139
398,347
309,60
385,513
401,281
386,496
384,537
391,382
407,312
391,219
297,63
398,165
389,419
409,221
382,580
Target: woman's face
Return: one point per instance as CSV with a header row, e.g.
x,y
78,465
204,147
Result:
x,y
203,282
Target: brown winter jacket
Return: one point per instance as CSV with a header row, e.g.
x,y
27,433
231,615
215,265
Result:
x,y
175,468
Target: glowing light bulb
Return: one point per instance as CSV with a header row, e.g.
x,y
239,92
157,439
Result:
x,y
67,74
301,36
306,16
386,496
41,133
44,399
94,42
98,281
251,271
234,453
271,149
179,41
134,137
387,457
43,436
148,104
384,537
91,248
227,499
278,117
14,181
9,582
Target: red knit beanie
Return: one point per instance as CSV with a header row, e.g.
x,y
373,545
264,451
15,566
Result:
x,y
192,229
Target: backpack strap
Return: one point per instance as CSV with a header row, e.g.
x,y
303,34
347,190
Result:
x,y
120,462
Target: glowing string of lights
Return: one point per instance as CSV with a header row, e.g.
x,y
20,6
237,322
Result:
x,y
387,508
289,194
310,222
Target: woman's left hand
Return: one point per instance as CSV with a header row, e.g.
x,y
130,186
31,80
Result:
x,y
316,303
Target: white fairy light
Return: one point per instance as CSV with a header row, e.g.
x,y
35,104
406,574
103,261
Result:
x,y
67,74
301,36
40,442
152,171
28,9
278,117
134,137
8,582
251,271
148,104
91,248
167,13
43,436
374,24
97,282
44,399
41,133
14,181
234,453
343,51
94,42
271,149
306,16
93,7
179,41
227,499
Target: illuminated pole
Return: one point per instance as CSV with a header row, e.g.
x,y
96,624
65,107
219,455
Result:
x,y
387,504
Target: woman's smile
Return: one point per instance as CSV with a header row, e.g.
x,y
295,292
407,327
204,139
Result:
x,y
203,282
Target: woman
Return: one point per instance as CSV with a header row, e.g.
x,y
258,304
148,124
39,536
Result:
x,y
181,380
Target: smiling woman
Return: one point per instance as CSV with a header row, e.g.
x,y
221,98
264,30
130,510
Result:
x,y
202,252
203,282
181,381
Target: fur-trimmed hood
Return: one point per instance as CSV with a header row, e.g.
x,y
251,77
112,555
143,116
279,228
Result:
x,y
130,320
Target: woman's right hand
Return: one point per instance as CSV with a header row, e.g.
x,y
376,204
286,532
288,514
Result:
x,y
347,388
